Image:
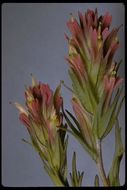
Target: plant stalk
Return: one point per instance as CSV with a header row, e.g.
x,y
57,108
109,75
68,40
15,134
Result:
x,y
58,182
101,166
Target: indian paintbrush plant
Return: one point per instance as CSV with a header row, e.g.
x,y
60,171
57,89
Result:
x,y
96,101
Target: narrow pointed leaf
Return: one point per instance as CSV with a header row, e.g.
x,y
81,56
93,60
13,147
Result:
x,y
76,177
81,178
70,124
120,105
74,171
79,137
108,119
74,119
84,97
96,181
97,117
119,151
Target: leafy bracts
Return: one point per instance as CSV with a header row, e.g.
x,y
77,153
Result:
x,y
103,120
91,51
43,119
76,132
96,102
76,176
93,73
96,181
118,154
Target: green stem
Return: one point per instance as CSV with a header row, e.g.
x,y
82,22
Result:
x,y
61,182
57,181
100,165
55,176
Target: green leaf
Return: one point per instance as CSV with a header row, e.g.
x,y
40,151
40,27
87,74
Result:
x,y
74,171
70,124
54,176
81,178
80,138
39,133
120,105
65,168
97,117
108,119
49,170
92,97
96,181
100,76
62,133
104,122
109,127
84,53
76,177
37,144
84,144
79,92
62,154
74,119
119,151
94,72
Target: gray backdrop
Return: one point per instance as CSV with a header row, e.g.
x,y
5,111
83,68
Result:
x,y
33,42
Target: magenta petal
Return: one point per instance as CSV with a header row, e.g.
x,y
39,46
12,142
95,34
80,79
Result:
x,y
36,110
89,19
90,12
74,27
78,66
46,93
107,20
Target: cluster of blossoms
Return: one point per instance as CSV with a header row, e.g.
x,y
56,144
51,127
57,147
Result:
x,y
93,73
43,109
92,69
91,50
43,119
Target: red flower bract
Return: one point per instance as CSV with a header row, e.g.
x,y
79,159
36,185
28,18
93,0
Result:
x,y
43,108
91,51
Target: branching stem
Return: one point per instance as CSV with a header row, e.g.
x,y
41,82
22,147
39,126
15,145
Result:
x,y
101,166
